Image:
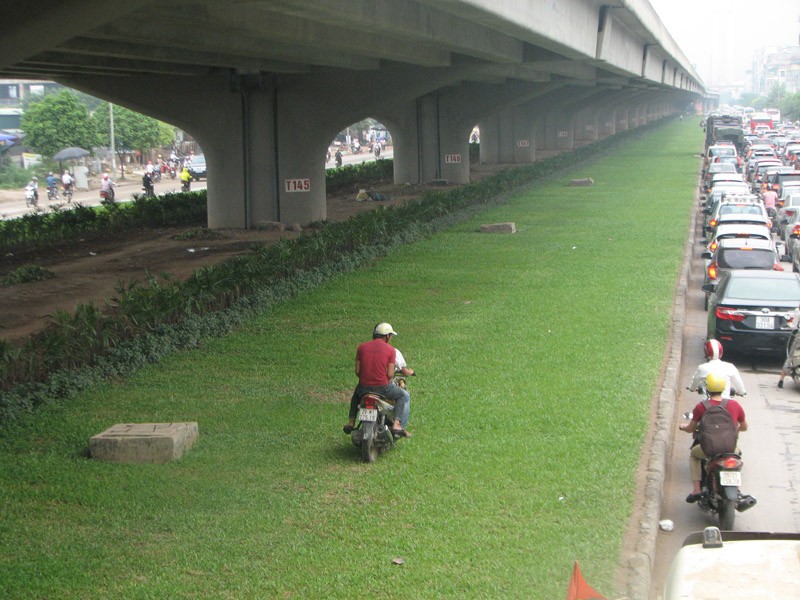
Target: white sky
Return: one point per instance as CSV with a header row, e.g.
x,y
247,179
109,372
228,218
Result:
x,y
719,37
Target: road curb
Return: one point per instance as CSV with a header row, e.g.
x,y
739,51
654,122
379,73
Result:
x,y
640,563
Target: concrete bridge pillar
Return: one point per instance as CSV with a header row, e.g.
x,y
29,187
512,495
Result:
x,y
490,140
586,125
559,131
524,142
510,136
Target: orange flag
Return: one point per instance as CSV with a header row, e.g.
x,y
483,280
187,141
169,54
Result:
x,y
580,590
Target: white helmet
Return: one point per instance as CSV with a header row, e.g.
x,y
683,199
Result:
x,y
382,329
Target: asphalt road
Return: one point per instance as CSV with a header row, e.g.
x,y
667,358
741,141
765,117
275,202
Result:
x,y
12,202
770,448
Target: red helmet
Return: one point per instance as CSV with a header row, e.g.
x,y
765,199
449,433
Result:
x,y
713,349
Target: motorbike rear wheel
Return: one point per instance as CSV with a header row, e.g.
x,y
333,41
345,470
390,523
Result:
x,y
727,514
369,449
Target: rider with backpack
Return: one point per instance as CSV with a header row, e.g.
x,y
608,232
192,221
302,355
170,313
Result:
x,y
716,423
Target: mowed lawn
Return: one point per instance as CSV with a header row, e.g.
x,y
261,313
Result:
x,y
538,354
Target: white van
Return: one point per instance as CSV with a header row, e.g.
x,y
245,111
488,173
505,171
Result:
x,y
735,565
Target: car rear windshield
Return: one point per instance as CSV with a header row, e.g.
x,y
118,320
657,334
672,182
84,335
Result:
x,y
740,209
768,290
745,258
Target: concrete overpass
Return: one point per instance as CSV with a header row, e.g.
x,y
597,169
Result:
x,y
265,85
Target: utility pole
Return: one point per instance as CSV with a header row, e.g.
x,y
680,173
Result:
x,y
111,128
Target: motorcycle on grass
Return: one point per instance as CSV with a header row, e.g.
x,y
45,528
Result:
x,y
373,431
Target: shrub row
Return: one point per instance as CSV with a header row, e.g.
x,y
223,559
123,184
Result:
x,y
68,223
141,323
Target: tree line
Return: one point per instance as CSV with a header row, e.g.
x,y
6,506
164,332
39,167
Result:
x,y
62,119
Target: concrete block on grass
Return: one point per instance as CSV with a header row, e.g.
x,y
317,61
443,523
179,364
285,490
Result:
x,y
143,442
498,228
586,181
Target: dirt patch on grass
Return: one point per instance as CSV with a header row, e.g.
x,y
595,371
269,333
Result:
x,y
91,270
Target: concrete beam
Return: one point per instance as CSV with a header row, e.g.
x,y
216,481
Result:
x,y
407,21
228,41
134,50
29,29
303,31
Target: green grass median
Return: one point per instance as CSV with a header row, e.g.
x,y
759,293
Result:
x,y
537,353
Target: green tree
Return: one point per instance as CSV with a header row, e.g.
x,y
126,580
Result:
x,y
58,121
132,131
776,95
750,99
790,107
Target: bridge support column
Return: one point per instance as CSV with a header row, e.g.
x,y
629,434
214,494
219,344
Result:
x,y
586,125
559,131
490,140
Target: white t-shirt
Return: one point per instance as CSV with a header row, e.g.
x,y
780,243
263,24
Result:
x,y
725,369
399,361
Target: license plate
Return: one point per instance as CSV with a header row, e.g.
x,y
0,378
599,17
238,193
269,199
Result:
x,y
368,414
765,322
733,478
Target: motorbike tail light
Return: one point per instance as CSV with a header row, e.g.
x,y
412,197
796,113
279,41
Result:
x,y
789,212
727,313
712,270
731,463
369,402
713,245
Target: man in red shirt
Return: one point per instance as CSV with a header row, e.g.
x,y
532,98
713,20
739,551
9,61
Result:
x,y
715,384
375,366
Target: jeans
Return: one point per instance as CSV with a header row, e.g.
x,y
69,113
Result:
x,y
401,398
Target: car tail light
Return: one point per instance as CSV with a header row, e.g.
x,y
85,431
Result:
x,y
712,270
712,223
795,230
777,267
729,314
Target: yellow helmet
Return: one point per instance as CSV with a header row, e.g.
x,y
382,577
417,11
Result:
x,y
715,383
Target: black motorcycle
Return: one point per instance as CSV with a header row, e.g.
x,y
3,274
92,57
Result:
x,y
373,432
720,481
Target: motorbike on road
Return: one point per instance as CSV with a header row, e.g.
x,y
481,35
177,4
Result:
x,y
792,364
373,431
721,482
31,197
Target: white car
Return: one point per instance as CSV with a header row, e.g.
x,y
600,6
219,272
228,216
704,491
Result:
x,y
735,230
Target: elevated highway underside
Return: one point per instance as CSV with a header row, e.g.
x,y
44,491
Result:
x,y
264,85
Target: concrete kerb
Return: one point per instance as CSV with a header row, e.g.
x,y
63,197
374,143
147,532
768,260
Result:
x,y
640,563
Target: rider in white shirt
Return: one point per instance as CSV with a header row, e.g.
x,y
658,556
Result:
x,y
714,364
